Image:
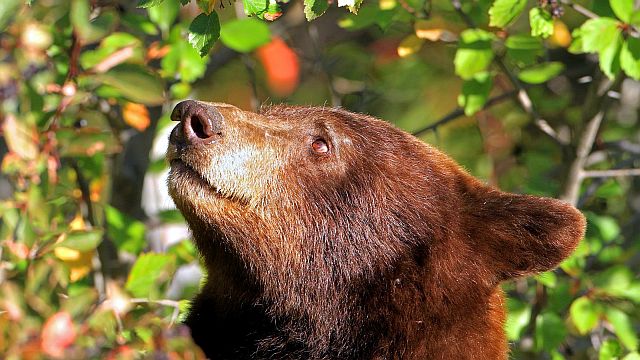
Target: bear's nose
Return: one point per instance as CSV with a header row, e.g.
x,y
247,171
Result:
x,y
199,123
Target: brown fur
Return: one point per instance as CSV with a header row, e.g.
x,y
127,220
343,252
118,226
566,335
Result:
x,y
384,248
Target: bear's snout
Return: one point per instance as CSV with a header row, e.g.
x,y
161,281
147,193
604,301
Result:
x,y
200,123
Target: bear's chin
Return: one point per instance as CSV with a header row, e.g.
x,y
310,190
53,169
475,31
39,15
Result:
x,y
184,182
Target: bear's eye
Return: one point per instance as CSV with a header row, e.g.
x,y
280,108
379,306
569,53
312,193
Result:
x,y
320,146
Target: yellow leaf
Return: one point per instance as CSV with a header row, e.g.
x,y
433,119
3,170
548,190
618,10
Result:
x,y
410,45
387,4
77,223
79,262
67,254
21,137
436,29
136,116
561,36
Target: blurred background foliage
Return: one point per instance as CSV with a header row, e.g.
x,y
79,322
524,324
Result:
x,y
537,97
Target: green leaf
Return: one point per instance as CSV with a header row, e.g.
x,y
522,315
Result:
x,y
524,49
584,314
182,61
150,3
255,7
171,217
550,331
615,280
474,53
245,35
623,327
94,30
598,34
542,73
630,57
147,272
203,32
164,14
8,9
634,19
127,233
315,8
610,58
541,22
504,12
82,240
632,356
523,42
548,279
135,83
622,8
475,93
606,226
518,318
610,350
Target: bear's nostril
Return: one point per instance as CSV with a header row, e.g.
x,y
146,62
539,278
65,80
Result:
x,y
200,127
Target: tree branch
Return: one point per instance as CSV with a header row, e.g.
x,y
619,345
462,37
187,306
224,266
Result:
x,y
610,173
458,112
576,170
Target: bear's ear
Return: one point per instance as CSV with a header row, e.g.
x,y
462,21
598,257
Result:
x,y
520,234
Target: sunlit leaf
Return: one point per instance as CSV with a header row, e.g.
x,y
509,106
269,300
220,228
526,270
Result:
x,y
474,53
254,7
204,31
584,314
136,83
550,331
623,327
541,22
148,270
475,93
315,8
127,233
609,350
541,73
245,35
504,12
82,240
630,57
150,3
622,8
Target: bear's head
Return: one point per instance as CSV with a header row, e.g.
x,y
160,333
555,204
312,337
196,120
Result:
x,y
318,212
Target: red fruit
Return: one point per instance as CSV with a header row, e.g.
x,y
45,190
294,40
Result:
x,y
122,352
58,333
272,16
281,65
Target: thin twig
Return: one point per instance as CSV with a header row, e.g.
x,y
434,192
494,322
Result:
x,y
458,112
165,302
580,9
610,173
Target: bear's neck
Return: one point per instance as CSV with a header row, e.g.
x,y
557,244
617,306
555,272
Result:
x,y
237,315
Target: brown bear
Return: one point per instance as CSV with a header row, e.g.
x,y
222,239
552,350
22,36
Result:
x,y
332,235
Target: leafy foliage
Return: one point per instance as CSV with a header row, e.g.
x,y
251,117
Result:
x,y
86,87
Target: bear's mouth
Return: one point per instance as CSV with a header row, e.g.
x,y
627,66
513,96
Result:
x,y
184,169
